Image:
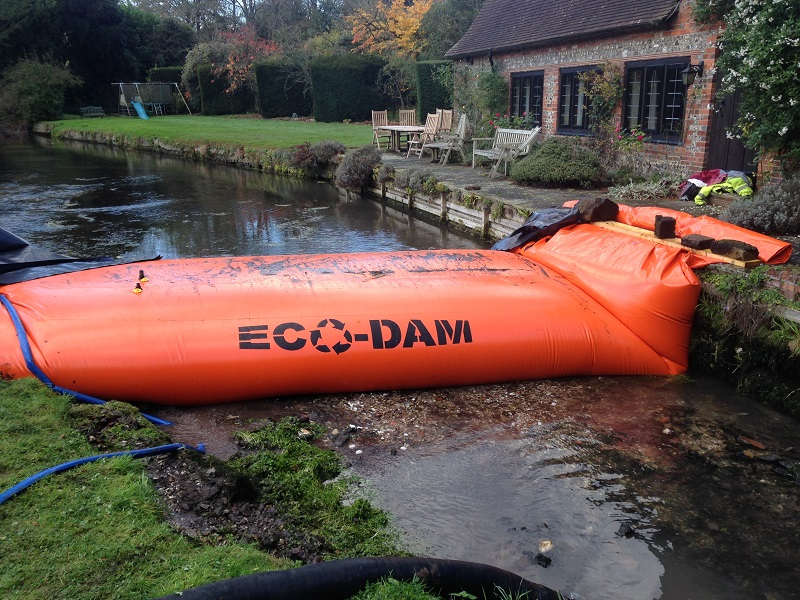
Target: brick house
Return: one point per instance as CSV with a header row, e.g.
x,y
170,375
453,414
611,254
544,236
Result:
x,y
540,46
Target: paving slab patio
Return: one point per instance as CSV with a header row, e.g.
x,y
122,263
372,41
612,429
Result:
x,y
464,177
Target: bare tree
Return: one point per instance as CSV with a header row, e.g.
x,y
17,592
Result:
x,y
205,17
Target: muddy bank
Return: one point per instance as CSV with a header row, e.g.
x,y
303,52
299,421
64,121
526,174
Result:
x,y
280,490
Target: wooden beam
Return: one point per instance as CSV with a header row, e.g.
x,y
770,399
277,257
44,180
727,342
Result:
x,y
648,235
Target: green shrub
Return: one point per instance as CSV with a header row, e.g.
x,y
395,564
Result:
x,y
33,91
559,161
643,192
205,53
165,75
416,180
216,100
385,174
280,159
775,209
357,167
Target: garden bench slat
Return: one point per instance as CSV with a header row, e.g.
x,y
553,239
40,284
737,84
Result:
x,y
507,144
92,111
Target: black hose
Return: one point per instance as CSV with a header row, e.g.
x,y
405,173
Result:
x,y
342,579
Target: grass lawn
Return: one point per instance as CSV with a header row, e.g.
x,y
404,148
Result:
x,y
97,531
237,131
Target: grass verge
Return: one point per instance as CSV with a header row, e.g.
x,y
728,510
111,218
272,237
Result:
x,y
99,530
256,133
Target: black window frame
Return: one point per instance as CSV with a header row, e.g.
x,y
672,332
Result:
x,y
655,99
530,102
573,116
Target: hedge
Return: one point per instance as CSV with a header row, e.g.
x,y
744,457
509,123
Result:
x,y
345,88
278,94
216,101
431,93
165,75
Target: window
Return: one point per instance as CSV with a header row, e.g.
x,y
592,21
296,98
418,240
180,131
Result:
x,y
573,104
526,96
655,98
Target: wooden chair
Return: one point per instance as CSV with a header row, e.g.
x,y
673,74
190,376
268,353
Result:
x,y
416,145
380,118
408,117
448,142
445,119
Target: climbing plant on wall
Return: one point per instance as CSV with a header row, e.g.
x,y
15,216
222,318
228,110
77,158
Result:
x,y
481,95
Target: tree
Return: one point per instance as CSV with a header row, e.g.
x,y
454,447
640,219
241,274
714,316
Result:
x,y
760,54
101,41
169,41
88,35
300,57
205,17
232,56
245,49
34,91
159,41
444,24
389,29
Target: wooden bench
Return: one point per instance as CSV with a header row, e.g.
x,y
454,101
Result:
x,y
92,111
507,144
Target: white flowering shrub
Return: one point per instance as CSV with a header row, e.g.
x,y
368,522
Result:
x,y
761,58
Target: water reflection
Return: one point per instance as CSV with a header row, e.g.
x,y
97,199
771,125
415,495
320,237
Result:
x,y
93,200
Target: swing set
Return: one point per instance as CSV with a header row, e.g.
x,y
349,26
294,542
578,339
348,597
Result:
x,y
148,99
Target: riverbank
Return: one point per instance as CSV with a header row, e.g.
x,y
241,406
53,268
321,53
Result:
x,y
558,421
761,360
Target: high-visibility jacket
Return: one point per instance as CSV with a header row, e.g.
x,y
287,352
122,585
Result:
x,y
732,185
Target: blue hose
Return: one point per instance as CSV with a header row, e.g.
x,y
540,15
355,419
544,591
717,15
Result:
x,y
34,368
80,461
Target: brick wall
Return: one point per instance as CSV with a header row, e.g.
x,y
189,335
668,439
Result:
x,y
682,38
787,281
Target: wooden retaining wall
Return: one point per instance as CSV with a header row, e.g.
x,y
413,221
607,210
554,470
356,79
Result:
x,y
483,221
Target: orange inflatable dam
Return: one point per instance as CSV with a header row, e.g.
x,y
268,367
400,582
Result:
x,y
229,329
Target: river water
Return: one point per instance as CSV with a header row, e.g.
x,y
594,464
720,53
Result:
x,y
633,488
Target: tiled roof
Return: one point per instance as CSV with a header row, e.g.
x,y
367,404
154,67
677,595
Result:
x,y
503,25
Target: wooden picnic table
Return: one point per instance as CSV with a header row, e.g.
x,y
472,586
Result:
x,y
396,132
